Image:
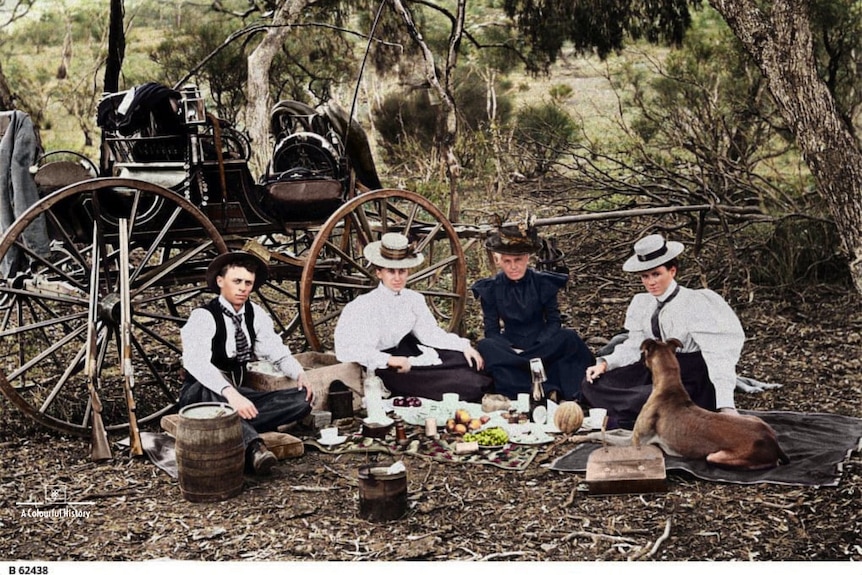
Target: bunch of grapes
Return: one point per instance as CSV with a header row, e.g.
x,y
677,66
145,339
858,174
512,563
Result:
x,y
491,436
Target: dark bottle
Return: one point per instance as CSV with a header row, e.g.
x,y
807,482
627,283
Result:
x,y
400,431
538,401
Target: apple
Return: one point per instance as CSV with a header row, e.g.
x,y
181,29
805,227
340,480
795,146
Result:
x,y
462,416
485,419
474,424
460,428
450,425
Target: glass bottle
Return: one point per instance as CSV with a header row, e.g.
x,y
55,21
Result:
x,y
400,431
538,401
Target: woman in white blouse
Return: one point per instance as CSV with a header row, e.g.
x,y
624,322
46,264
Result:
x,y
392,333
708,328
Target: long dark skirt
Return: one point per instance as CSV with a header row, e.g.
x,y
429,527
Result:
x,y
454,375
625,390
565,357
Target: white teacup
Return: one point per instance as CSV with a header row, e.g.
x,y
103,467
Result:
x,y
597,417
329,433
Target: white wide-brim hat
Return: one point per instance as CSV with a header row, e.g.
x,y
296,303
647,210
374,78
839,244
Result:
x,y
392,251
651,252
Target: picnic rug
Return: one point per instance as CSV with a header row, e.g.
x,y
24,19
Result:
x,y
816,443
160,448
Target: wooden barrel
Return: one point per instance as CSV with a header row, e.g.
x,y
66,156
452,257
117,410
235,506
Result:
x,y
210,452
382,496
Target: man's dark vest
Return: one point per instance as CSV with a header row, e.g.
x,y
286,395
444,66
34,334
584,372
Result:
x,y
219,356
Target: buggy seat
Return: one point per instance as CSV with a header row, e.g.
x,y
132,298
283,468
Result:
x,y
308,176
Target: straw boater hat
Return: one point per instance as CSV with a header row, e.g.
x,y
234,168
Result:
x,y
393,251
514,239
250,250
651,252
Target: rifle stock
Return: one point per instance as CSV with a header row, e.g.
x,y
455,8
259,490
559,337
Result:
x,y
100,449
126,340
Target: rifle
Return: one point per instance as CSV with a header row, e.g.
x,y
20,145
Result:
x,y
126,339
100,449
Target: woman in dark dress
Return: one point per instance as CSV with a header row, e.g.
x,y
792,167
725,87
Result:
x,y
522,321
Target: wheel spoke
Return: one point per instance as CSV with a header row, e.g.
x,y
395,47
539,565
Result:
x,y
45,321
63,379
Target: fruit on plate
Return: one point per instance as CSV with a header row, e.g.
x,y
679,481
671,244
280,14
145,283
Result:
x,y
462,416
462,422
490,437
568,417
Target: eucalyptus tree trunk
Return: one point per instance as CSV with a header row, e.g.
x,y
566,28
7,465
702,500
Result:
x,y
116,47
259,64
447,118
781,45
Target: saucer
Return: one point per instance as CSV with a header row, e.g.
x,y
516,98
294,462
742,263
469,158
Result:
x,y
332,442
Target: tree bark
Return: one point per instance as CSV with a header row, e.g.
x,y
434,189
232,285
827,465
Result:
x,y
780,43
116,47
259,64
447,119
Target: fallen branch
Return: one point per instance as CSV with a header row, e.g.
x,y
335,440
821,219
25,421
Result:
x,y
591,535
504,555
418,537
661,539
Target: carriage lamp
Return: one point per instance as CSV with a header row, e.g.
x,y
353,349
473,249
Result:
x,y
194,112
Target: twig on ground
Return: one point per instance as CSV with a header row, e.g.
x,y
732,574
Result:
x,y
349,479
423,536
662,538
504,555
591,535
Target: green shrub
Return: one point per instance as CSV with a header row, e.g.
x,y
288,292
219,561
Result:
x,y
542,134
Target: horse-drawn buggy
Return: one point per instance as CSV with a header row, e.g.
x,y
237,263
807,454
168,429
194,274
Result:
x,y
91,322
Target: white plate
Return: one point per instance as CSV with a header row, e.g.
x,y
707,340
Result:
x,y
528,434
332,442
530,439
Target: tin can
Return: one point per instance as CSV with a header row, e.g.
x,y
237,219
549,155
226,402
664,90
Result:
x,y
431,427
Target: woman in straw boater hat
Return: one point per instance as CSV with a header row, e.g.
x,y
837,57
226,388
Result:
x,y
220,338
708,328
522,321
391,332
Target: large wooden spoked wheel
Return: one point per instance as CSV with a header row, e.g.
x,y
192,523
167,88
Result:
x,y
336,272
49,300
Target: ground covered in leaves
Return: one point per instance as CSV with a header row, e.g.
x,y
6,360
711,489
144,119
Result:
x,y
806,340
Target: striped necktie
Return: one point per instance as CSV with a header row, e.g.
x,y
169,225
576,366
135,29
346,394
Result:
x,y
656,329
243,349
